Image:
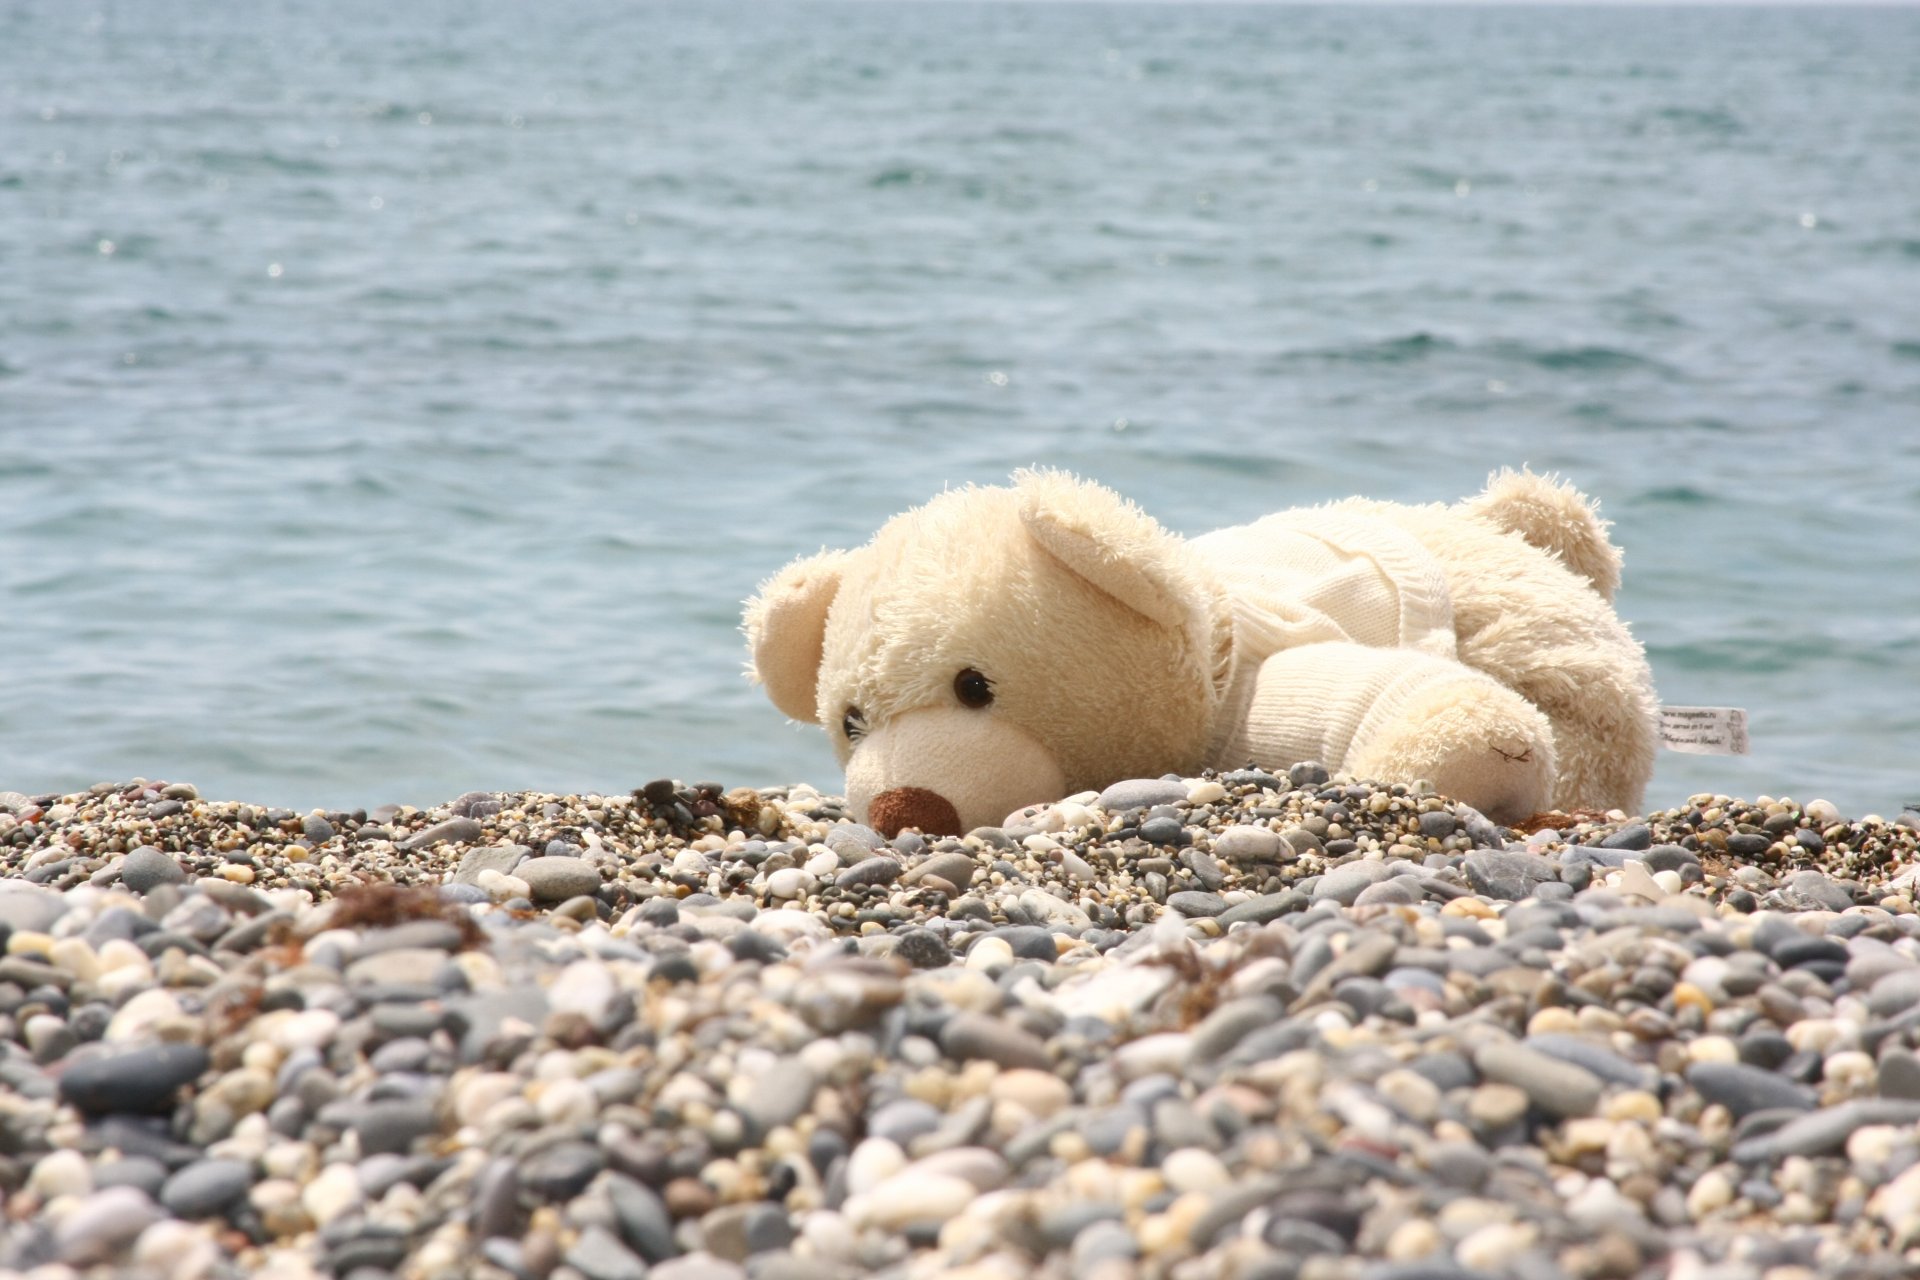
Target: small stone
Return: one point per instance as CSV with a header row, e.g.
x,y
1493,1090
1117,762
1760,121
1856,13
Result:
x,y
599,1255
205,1187
132,1080
561,1171
1244,843
973,1035
146,867
557,879
1141,793
502,858
922,948
1164,831
103,1224
1508,875
452,831
781,1094
1344,883
1556,1087
1196,904
1743,1089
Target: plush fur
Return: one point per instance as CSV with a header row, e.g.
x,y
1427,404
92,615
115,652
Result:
x,y
1473,646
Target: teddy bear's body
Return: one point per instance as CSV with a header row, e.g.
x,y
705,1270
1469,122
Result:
x,y
1002,647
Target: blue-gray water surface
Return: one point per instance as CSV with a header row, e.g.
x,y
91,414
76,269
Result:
x,y
397,400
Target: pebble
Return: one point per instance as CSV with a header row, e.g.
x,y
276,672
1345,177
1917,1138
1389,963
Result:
x,y
141,1079
557,879
146,868
405,1045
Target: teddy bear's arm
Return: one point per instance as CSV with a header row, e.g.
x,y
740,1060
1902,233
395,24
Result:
x,y
1398,715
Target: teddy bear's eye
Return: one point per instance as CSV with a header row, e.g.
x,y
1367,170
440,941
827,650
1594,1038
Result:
x,y
972,688
853,724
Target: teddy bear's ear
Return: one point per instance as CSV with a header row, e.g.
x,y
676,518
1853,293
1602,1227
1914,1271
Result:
x,y
786,626
1111,543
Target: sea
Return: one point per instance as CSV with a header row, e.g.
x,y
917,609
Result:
x,y
398,400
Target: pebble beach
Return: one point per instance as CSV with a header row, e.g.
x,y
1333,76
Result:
x,y
1243,1026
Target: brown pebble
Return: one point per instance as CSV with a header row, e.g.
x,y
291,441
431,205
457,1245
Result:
x,y
688,1198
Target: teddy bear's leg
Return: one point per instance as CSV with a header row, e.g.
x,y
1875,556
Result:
x,y
1544,630
1474,739
1399,715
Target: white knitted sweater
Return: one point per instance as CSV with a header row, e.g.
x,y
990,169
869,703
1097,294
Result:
x,y
1370,600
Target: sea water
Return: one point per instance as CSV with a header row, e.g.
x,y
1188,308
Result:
x,y
397,400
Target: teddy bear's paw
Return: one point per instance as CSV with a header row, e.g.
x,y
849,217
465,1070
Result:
x,y
1475,740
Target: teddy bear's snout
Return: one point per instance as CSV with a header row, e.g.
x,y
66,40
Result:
x,y
892,812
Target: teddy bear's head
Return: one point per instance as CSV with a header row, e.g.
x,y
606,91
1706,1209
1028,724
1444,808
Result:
x,y
995,648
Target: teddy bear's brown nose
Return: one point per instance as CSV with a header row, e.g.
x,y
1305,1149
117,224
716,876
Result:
x,y
891,812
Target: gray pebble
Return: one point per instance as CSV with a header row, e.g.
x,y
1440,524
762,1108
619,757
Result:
x,y
1141,793
1196,904
599,1255
1508,875
205,1187
557,879
969,1035
134,1080
146,867
454,830
1556,1087
1744,1089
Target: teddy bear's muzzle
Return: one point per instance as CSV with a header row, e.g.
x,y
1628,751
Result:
x,y
892,812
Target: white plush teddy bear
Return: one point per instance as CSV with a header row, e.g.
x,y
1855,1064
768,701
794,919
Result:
x,y
1000,647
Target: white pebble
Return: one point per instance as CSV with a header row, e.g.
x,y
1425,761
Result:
x,y
914,1196
789,883
871,1163
1206,792
989,953
1194,1169
139,1016
333,1193
60,1173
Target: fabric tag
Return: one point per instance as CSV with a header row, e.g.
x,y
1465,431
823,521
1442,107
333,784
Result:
x,y
1704,731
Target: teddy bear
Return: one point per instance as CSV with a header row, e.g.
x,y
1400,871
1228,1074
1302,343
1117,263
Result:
x,y
1005,646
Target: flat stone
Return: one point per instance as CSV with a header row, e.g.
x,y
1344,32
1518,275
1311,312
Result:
x,y
1193,903
1507,874
853,841
499,857
103,1224
205,1187
870,870
1899,1074
1595,1057
146,868
957,869
453,830
561,1171
974,1035
1245,843
781,1094
599,1255
393,1125
1637,836
643,1219
1398,891
1556,1087
1744,1089
1819,890
136,1080
1826,1131
1141,793
557,879
1344,883
1261,909
27,908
